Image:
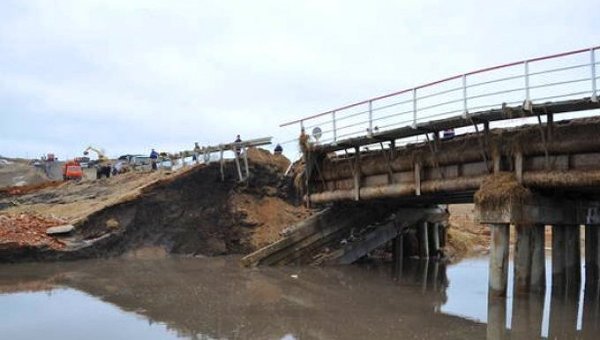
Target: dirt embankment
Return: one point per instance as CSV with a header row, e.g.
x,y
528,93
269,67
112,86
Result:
x,y
188,212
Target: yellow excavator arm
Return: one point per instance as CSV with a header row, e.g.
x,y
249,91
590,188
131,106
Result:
x,y
101,156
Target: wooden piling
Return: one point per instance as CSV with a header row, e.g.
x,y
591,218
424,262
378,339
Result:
x,y
572,256
592,255
522,258
423,240
558,255
538,258
435,239
498,272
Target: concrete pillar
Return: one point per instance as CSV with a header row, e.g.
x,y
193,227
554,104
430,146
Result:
x,y
443,234
558,255
435,238
423,241
496,318
398,254
522,258
572,257
592,255
498,272
538,258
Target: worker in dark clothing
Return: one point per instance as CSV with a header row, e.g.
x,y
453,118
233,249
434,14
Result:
x,y
278,149
154,159
237,148
196,152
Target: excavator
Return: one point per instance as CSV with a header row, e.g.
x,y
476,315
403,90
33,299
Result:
x,y
72,170
102,165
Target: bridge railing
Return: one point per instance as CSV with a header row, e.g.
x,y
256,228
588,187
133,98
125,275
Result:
x,y
563,76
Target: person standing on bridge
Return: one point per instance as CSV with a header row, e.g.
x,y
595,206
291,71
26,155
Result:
x,y
278,149
196,153
236,148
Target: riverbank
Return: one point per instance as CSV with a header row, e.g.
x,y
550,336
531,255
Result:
x,y
190,211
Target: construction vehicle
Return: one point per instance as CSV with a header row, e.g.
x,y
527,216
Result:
x,y
72,170
102,165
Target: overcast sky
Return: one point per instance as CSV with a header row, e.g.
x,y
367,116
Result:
x,y
131,75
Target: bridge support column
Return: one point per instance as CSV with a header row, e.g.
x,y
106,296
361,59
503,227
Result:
x,y
435,239
558,255
522,258
530,264
423,240
592,255
572,256
538,260
498,272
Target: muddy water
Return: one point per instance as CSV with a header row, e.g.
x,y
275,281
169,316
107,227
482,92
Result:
x,y
166,298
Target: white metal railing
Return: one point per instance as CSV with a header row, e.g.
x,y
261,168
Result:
x,y
563,76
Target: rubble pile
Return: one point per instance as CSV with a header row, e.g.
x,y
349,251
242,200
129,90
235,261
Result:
x,y
28,230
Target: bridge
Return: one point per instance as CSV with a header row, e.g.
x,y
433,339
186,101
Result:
x,y
513,144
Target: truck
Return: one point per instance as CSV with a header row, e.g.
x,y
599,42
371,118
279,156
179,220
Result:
x,y
72,171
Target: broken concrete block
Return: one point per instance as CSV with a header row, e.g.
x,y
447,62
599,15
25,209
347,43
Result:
x,y
61,229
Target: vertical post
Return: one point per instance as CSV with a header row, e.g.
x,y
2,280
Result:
x,y
573,257
418,179
246,163
558,255
522,268
593,69
464,93
519,166
527,105
334,127
357,173
592,255
424,240
222,161
414,95
538,258
370,118
435,235
398,253
237,164
498,273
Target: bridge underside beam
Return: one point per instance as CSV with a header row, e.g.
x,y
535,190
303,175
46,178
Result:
x,y
542,210
441,190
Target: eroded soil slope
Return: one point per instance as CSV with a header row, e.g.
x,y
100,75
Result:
x,y
188,212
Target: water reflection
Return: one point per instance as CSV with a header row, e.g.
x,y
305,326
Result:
x,y
562,312
214,298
